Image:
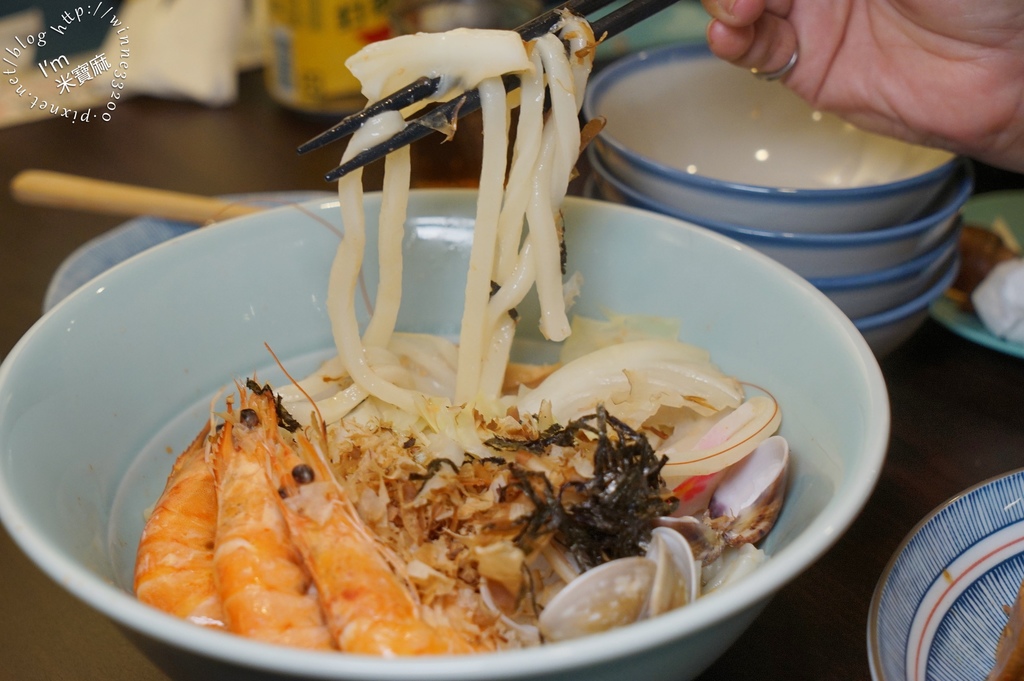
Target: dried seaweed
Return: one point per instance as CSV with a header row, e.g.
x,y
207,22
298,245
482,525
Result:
x,y
555,435
609,515
548,515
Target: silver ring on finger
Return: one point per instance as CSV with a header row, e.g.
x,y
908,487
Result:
x,y
779,73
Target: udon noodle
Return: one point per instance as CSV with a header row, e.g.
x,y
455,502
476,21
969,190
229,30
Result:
x,y
489,499
544,156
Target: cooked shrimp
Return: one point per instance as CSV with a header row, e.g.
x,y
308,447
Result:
x,y
174,564
265,590
369,606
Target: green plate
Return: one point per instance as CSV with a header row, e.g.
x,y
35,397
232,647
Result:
x,y
683,22
982,210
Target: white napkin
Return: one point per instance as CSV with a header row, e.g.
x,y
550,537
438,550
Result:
x,y
185,49
999,300
177,49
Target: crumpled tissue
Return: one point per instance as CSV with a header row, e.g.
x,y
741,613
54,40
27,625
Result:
x,y
172,49
999,300
184,49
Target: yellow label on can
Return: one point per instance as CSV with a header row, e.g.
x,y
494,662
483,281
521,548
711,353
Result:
x,y
309,43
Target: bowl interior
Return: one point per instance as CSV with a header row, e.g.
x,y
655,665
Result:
x,y
705,118
104,391
942,209
824,255
938,608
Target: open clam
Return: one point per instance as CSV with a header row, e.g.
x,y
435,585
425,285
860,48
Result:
x,y
744,506
602,598
677,578
748,500
625,590
705,542
742,510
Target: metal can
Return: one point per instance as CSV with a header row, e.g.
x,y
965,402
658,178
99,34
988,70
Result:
x,y
308,43
412,16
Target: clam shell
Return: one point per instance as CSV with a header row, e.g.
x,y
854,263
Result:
x,y
677,578
748,500
706,543
605,597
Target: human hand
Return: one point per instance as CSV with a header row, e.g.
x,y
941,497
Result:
x,y
944,73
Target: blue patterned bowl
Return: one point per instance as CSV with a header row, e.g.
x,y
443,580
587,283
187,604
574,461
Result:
x,y
938,611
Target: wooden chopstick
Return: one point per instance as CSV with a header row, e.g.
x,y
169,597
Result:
x,y
60,190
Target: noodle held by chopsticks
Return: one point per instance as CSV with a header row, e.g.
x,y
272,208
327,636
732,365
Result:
x,y
532,191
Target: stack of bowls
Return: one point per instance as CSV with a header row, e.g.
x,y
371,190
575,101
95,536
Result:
x,y
872,222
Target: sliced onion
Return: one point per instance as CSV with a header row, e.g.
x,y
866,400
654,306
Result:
x,y
674,371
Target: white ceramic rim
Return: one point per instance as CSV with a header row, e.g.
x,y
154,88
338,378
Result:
x,y
874,609
819,536
624,67
964,183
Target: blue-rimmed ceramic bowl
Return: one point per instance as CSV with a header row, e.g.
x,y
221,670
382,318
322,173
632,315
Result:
x,y
714,142
885,331
937,611
821,255
863,295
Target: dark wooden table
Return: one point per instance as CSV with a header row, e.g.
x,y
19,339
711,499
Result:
x,y
958,408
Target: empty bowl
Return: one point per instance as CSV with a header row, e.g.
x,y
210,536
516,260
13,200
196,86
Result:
x,y
713,142
821,255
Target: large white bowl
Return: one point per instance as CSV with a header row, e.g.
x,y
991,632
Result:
x,y
704,137
822,255
119,375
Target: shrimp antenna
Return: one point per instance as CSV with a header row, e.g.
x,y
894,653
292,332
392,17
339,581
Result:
x,y
280,365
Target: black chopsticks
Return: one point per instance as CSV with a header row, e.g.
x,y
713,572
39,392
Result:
x,y
611,24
